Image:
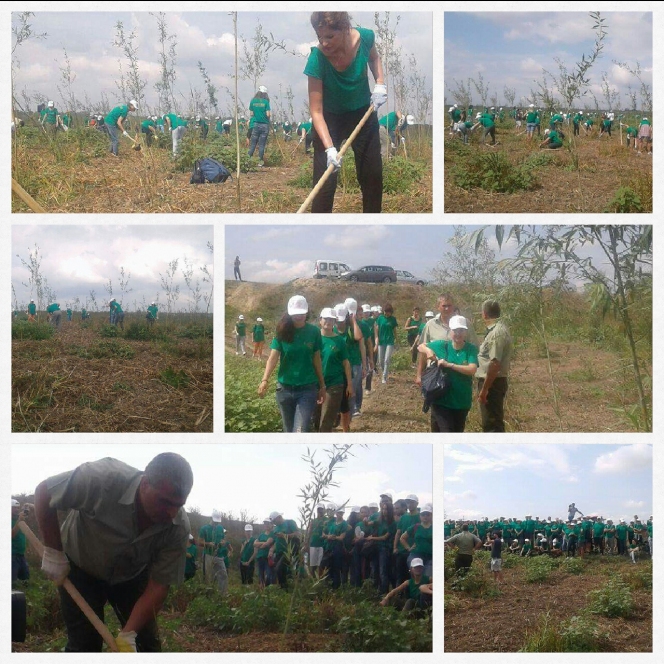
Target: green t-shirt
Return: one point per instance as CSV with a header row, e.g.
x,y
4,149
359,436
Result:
x,y
598,529
422,538
590,122
554,138
460,394
153,311
333,354
50,115
631,131
405,522
348,90
212,535
304,125
259,108
644,122
353,346
487,121
381,527
146,124
386,326
288,527
117,113
51,308
414,588
317,526
263,553
116,307
247,549
296,366
241,328
259,332
531,117
337,529
18,542
190,563
32,308
172,118
219,126
390,121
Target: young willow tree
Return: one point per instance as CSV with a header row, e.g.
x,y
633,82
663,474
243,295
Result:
x,y
254,61
167,57
134,85
627,251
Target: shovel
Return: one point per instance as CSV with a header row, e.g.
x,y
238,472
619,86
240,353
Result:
x,y
330,168
137,146
73,592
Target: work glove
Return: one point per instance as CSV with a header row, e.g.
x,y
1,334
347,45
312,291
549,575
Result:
x,y
126,642
124,133
333,158
55,565
379,96
403,141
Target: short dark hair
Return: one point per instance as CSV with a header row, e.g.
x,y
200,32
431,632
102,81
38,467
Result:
x,y
445,296
172,468
464,527
331,21
388,307
491,308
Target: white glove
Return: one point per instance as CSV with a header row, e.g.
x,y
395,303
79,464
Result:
x,y
403,141
126,642
379,96
55,565
124,133
333,158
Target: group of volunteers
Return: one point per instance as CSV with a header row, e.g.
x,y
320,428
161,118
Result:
x,y
388,543
116,313
462,123
528,537
340,100
324,370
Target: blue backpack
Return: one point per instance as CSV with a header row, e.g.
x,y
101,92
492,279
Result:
x,y
209,170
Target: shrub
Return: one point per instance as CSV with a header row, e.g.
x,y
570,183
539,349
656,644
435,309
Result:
x,y
573,565
22,330
138,332
176,379
304,178
578,634
475,581
400,174
613,600
493,171
539,568
216,147
109,331
624,201
107,349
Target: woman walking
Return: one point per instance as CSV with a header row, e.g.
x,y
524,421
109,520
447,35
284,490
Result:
x,y
260,112
386,323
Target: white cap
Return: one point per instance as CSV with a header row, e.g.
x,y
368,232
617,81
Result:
x,y
217,118
373,308
31,300
274,515
248,527
526,540
366,308
134,103
152,304
531,106
216,516
373,505
328,313
455,105
240,317
153,118
51,104
386,493
339,510
458,323
410,119
191,537
267,520
351,305
546,131
15,503
416,562
478,116
412,496
355,509
262,88
297,305
379,309
427,507
341,312
198,117
451,109
259,320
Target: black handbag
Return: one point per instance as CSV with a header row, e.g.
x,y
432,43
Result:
x,y
435,384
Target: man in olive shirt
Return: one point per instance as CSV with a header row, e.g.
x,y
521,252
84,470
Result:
x,y
124,542
495,356
466,544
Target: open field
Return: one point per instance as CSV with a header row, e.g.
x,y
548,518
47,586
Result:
x,y
90,376
587,357
546,605
588,175
75,173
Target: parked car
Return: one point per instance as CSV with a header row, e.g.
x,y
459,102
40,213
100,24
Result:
x,y
331,269
371,273
409,278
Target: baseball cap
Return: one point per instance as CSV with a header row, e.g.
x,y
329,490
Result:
x,y
412,496
262,88
297,305
417,562
328,313
134,103
410,119
259,320
366,308
52,104
240,317
274,515
427,507
341,312
458,323
373,505
351,305
216,516
248,527
429,314
15,503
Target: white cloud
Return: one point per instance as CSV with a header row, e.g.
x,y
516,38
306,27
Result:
x,y
355,237
460,513
276,271
453,478
624,460
635,504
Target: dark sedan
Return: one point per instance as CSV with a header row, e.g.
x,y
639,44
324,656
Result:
x,y
376,274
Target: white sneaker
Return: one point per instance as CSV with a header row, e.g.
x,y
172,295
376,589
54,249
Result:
x,y
356,414
367,392
237,353
384,381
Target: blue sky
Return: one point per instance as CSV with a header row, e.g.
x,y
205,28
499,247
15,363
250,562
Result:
x,y
512,48
277,254
201,36
542,480
252,477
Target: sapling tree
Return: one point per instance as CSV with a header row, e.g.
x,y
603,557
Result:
x,y
645,90
124,284
135,85
481,87
421,91
66,85
22,31
167,58
170,288
193,286
462,93
256,53
510,95
208,279
36,282
611,94
211,89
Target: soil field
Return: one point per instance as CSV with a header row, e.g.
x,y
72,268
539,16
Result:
x,y
504,618
584,178
80,381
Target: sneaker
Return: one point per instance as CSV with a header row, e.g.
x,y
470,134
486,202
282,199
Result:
x,y
260,164
384,381
243,354
356,414
237,353
367,392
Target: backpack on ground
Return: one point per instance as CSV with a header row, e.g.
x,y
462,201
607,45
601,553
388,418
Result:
x,y
209,170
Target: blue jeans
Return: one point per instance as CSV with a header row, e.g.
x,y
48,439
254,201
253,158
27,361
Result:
x,y
259,135
20,571
297,405
112,132
384,568
356,376
384,357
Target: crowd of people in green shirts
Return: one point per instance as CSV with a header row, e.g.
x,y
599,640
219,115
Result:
x,y
462,124
388,544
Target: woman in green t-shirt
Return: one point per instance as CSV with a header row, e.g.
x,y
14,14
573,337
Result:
x,y
418,589
386,323
296,348
259,107
339,97
458,358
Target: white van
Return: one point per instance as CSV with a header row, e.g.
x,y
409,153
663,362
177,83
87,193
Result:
x,y
331,269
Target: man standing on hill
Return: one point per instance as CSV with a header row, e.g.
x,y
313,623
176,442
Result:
x,y
236,269
124,543
495,356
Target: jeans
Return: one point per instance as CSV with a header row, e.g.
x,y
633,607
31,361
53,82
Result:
x,y
112,132
176,137
297,405
368,160
264,576
384,357
356,376
20,571
449,420
384,554
81,635
215,572
259,136
336,564
237,274
240,346
327,412
247,573
493,411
